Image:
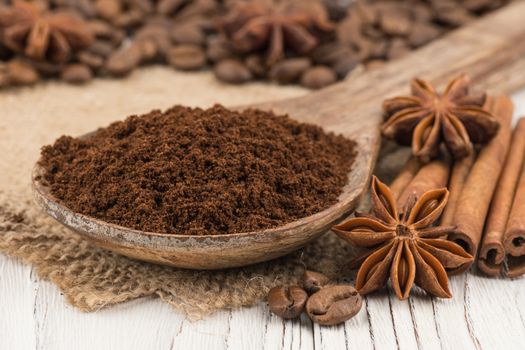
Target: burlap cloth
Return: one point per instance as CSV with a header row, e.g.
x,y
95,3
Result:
x,y
91,278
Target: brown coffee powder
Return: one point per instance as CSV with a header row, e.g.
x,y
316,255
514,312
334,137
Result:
x,y
195,171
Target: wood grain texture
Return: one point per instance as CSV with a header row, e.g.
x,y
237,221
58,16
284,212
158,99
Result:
x,y
484,314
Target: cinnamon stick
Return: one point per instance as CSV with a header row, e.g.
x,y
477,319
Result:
x,y
474,201
404,177
430,176
460,171
492,251
514,240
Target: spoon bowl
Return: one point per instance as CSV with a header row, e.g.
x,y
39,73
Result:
x,y
206,251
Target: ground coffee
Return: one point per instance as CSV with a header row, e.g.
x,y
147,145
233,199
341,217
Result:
x,y
196,171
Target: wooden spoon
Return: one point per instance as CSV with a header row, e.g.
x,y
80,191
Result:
x,y
491,51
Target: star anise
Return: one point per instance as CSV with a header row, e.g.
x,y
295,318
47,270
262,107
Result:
x,y
405,247
43,35
428,118
254,25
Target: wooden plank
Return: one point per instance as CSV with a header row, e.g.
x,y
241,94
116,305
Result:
x,y
17,291
381,320
496,320
141,324
208,333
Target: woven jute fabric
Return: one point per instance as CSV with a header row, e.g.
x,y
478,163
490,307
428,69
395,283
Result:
x,y
91,278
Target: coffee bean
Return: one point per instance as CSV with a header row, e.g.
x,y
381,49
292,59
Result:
x,y
333,304
166,7
232,71
76,73
378,49
108,9
398,48
256,65
145,6
422,13
318,77
345,66
395,23
186,57
423,33
314,281
287,302
148,49
158,33
101,48
375,64
218,49
337,8
21,72
101,29
90,59
4,76
330,53
123,61
289,70
188,34
129,19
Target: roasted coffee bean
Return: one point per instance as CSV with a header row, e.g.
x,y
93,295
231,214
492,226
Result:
x,y
21,72
290,70
232,71
167,7
76,73
146,6
318,77
123,61
4,76
345,66
129,19
314,281
398,48
378,49
375,64
337,8
90,59
158,33
287,302
421,12
255,63
108,9
218,49
101,29
188,34
117,37
423,33
395,23
330,53
367,13
101,48
148,49
333,304
451,14
186,57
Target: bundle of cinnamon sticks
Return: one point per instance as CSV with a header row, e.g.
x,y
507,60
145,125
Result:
x,y
487,195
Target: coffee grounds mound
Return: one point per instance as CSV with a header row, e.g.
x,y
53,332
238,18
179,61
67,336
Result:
x,y
200,171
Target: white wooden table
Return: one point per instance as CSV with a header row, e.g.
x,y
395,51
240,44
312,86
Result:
x,y
484,314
